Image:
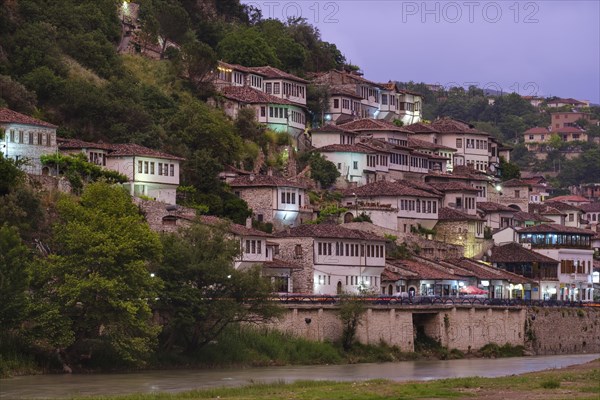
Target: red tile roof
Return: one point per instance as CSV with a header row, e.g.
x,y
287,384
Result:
x,y
65,143
514,183
345,148
370,124
515,253
330,231
250,95
572,198
391,189
331,128
483,271
487,206
424,271
568,129
263,181
525,216
275,73
556,228
450,125
343,91
10,116
536,130
450,214
590,207
423,144
421,128
130,149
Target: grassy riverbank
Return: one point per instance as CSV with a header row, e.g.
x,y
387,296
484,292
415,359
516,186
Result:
x,y
251,348
581,382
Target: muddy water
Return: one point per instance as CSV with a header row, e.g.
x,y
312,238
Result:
x,y
61,386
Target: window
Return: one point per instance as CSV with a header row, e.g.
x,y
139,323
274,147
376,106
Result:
x,y
355,164
139,167
384,99
571,217
48,138
40,138
336,103
276,88
30,137
152,168
160,168
21,137
530,137
268,87
459,143
458,202
172,169
263,111
517,194
146,167
339,165
298,251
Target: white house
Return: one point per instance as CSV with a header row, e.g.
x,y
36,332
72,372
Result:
x,y
26,138
335,259
149,172
572,248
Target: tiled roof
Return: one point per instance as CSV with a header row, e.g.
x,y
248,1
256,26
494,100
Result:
x,y
345,77
10,116
234,66
450,125
565,101
483,271
64,143
590,207
406,91
387,188
345,148
397,274
514,252
423,144
423,271
343,91
452,187
556,228
537,129
130,149
514,183
330,231
421,128
331,128
370,124
119,149
573,198
450,214
525,216
236,229
568,129
263,181
250,95
488,206
274,73
559,205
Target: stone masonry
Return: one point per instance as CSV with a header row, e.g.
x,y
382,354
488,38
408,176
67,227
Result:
x,y
302,279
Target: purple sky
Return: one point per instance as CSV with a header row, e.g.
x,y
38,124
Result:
x,y
546,48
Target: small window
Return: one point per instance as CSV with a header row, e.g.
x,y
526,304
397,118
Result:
x,y
172,169
146,167
298,250
139,167
355,164
336,103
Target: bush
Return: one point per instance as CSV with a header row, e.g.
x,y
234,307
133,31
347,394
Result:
x,y
493,350
551,383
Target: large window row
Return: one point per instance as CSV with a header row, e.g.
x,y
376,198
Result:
x,y
39,138
148,167
342,249
420,206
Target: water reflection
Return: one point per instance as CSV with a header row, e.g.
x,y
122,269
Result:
x,y
60,386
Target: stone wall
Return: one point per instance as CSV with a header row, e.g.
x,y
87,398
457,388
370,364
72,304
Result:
x,y
555,330
260,200
302,279
155,213
563,330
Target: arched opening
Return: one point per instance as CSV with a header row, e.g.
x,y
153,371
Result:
x,y
348,217
390,289
412,291
338,288
515,207
45,171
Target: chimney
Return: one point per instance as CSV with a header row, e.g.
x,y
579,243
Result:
x,y
249,222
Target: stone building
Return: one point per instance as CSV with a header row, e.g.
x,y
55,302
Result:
x,y
513,193
274,199
459,228
26,138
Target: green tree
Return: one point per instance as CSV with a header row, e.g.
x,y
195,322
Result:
x,y
509,170
322,170
15,96
203,293
247,46
583,169
351,310
14,278
91,296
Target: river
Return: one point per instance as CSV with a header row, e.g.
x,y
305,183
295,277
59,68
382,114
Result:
x,y
61,386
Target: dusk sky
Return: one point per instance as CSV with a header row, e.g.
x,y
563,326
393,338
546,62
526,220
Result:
x,y
546,48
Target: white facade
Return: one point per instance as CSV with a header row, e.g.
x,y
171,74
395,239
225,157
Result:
x,y
154,177
574,273
27,142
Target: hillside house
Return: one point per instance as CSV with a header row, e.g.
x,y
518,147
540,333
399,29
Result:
x,y
334,259
572,248
274,199
497,216
462,229
24,138
514,193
